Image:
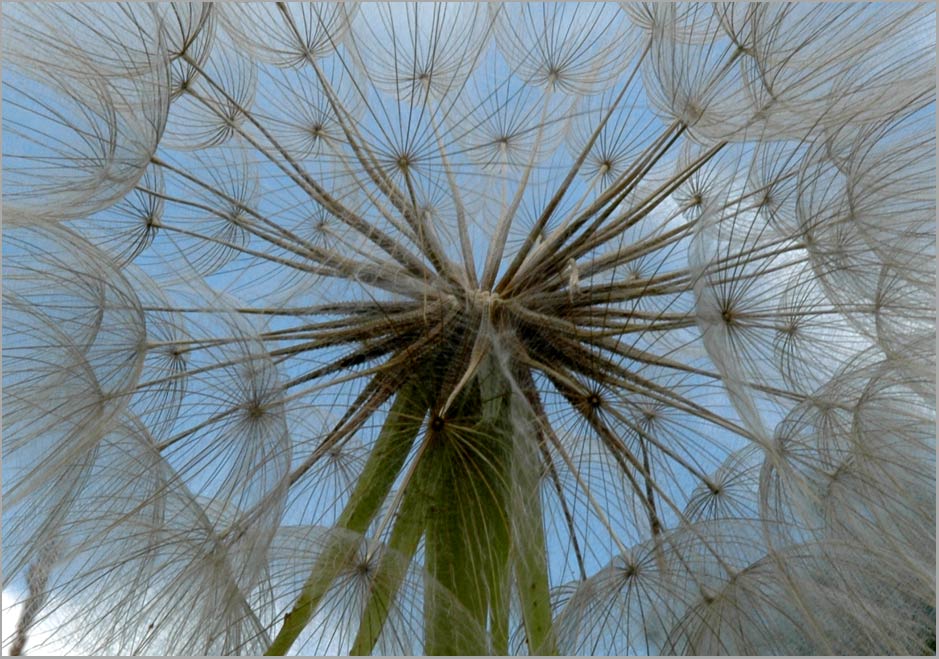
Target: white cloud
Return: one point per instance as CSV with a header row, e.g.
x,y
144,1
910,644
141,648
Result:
x,y
38,638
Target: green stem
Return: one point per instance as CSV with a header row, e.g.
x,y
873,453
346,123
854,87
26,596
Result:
x,y
467,535
529,546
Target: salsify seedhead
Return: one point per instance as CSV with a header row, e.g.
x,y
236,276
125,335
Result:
x,y
580,328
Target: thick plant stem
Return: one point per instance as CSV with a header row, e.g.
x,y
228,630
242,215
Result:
x,y
468,539
530,552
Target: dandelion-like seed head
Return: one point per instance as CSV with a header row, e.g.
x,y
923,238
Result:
x,y
460,328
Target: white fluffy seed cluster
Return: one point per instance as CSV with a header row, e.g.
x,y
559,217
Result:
x,y
433,328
